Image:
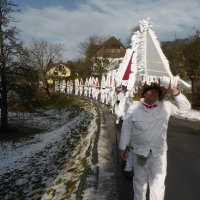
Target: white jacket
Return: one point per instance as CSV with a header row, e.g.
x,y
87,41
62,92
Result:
x,y
122,107
146,129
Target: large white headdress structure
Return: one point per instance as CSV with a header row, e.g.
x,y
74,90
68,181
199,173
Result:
x,y
145,64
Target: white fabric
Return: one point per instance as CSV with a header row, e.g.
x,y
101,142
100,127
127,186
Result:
x,y
71,89
76,90
129,161
103,95
165,82
107,96
93,92
81,91
148,127
152,173
96,95
85,90
120,95
113,98
90,91
120,108
175,80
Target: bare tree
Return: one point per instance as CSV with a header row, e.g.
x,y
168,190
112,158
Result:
x,y
173,50
184,59
191,55
11,49
132,31
23,84
87,49
41,53
100,64
104,62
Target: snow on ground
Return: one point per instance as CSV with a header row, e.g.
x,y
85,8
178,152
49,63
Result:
x,y
73,170
192,115
106,188
52,165
30,166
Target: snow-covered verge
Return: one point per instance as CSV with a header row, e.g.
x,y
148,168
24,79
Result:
x,y
49,165
66,184
103,186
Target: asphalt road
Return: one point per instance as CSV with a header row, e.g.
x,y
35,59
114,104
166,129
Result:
x,y
183,173
183,179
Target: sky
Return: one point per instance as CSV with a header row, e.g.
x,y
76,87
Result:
x,y
71,22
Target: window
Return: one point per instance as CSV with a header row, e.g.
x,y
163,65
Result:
x,y
110,50
55,73
117,50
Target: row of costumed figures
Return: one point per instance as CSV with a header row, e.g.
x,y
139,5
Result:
x,y
104,91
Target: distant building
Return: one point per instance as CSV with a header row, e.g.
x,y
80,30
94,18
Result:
x,y
108,56
57,71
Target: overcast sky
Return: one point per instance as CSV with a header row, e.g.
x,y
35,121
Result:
x,y
72,21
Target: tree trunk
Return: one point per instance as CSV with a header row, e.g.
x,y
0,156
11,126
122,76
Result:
x,y
47,88
4,103
193,91
48,93
4,114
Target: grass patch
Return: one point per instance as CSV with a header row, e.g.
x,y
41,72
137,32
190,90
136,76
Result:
x,y
59,181
61,101
51,191
84,162
70,185
72,169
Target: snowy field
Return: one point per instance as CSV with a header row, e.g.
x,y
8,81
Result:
x,y
50,165
44,163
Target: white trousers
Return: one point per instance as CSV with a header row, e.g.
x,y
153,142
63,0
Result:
x,y
102,98
153,173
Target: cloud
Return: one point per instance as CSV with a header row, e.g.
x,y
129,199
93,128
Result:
x,y
108,18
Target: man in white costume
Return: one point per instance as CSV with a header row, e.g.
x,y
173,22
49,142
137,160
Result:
x,y
93,91
67,89
96,94
120,109
71,87
89,91
113,99
103,95
76,89
81,90
107,96
85,90
145,127
119,106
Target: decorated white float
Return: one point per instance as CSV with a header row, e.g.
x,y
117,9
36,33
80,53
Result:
x,y
145,64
